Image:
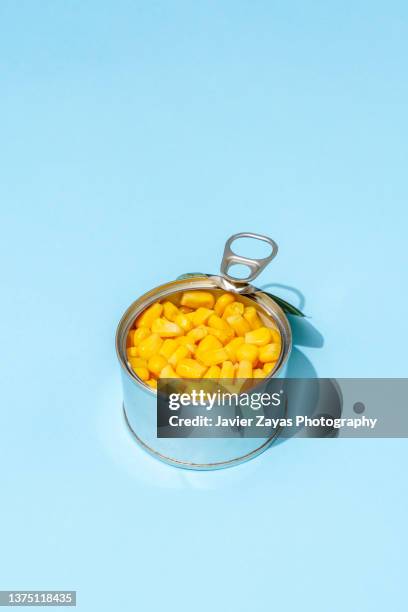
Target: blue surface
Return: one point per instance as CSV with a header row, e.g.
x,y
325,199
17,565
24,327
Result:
x,y
136,137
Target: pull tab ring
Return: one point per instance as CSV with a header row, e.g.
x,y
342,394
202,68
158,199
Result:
x,y
255,266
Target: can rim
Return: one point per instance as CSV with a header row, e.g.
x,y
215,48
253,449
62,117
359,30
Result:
x,y
198,282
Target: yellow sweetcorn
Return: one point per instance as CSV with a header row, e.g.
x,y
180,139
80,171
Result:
x,y
149,315
186,309
190,368
232,347
132,351
196,299
170,311
222,303
227,370
213,356
150,346
137,362
187,342
140,334
252,317
168,347
244,369
180,353
156,363
197,334
202,338
270,352
247,352
238,324
259,337
183,321
168,372
258,373
208,343
222,334
213,372
201,316
269,366
276,337
166,329
217,323
142,373
235,308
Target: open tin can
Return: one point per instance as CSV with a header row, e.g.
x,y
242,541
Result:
x,y
139,400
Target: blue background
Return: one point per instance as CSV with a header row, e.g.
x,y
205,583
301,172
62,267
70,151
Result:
x,y
136,137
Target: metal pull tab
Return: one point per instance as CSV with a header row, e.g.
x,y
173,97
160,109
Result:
x,y
255,265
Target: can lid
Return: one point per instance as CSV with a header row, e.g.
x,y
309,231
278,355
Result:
x,y
255,266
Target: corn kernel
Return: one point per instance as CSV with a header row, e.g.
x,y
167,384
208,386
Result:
x,y
170,311
209,342
137,362
201,316
227,370
166,329
259,337
276,337
187,342
217,323
213,356
197,334
168,347
149,346
269,366
186,309
222,303
270,352
140,334
190,368
232,347
247,352
213,372
222,334
258,373
143,373
235,308
132,351
238,324
180,353
149,315
184,322
156,363
252,317
197,299
152,383
244,369
168,372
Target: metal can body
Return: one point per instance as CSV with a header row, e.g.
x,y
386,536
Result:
x,y
139,401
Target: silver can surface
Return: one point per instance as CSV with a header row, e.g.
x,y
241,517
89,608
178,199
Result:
x,y
139,400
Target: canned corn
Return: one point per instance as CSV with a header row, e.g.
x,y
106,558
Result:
x,y
204,292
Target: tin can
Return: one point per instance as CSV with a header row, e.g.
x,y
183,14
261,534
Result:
x,y
139,400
